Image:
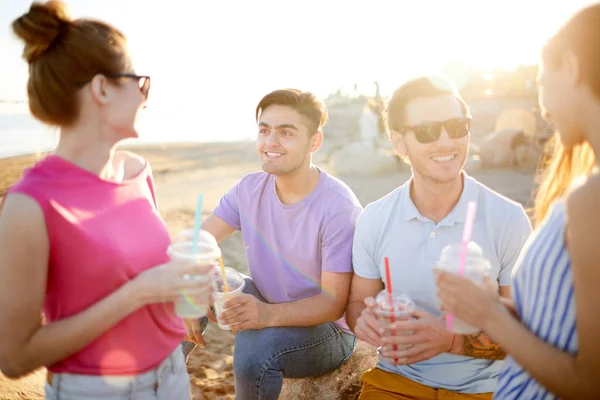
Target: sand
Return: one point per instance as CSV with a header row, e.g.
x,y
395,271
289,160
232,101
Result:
x,y
181,172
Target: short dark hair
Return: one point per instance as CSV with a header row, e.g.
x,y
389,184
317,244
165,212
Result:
x,y
425,86
305,103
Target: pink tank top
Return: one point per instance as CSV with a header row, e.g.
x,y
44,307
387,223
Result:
x,y
102,234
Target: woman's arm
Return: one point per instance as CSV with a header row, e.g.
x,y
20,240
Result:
x,y
509,304
26,344
568,376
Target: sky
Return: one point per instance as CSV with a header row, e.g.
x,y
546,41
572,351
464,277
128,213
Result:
x,y
216,59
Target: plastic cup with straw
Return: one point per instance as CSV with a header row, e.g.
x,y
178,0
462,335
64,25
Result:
x,y
225,283
388,284
200,248
197,224
392,308
466,239
196,240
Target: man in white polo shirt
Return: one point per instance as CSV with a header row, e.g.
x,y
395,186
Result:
x,y
429,125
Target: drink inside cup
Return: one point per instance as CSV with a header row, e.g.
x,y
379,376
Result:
x,y
235,282
397,307
194,302
476,268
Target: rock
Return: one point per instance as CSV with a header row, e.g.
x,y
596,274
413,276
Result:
x,y
526,158
329,146
341,384
495,150
473,163
362,159
518,119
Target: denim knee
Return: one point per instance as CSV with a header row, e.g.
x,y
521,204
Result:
x,y
250,359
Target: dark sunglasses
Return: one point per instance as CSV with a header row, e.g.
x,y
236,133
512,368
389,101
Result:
x,y
143,82
430,132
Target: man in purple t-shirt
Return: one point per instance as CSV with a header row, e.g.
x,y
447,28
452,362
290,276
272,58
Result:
x,y
297,223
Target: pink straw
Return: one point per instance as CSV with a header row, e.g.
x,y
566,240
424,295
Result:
x,y
388,284
466,239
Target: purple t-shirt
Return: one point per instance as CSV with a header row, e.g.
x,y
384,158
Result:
x,y
288,246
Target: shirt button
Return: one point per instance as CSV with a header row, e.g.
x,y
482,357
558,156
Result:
x,y
432,235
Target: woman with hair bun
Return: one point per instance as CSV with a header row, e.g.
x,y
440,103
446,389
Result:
x,y
80,234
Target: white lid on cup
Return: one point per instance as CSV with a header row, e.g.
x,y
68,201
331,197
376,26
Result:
x,y
207,248
475,261
400,302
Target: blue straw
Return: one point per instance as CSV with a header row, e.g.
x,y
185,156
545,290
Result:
x,y
197,224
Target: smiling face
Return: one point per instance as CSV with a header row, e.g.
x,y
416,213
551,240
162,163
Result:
x,y
286,140
440,160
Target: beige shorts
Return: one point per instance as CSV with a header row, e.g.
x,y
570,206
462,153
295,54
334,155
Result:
x,y
169,380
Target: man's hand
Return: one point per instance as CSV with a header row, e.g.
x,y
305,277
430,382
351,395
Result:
x,y
194,330
367,326
428,338
245,311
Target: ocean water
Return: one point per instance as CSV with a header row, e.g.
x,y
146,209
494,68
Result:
x,y
20,133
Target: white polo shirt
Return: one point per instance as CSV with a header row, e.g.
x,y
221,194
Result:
x,y
393,227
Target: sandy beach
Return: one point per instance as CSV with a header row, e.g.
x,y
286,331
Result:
x,y
183,171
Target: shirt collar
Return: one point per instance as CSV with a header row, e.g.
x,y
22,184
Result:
x,y
408,210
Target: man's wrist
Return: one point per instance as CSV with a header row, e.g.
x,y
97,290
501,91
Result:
x,y
270,319
451,343
457,345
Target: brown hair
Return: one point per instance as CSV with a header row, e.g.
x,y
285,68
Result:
x,y
305,103
579,35
63,54
425,86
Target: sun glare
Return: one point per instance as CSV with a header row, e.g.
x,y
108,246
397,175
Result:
x,y
201,55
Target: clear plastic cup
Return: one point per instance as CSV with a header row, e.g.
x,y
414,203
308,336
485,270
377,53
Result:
x,y
236,284
400,308
194,302
477,266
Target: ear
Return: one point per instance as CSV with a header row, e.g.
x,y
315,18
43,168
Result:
x,y
397,140
572,67
99,89
316,142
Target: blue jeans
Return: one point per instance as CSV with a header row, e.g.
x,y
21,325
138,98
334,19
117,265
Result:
x,y
262,358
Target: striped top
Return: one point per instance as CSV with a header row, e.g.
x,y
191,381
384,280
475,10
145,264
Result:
x,y
543,294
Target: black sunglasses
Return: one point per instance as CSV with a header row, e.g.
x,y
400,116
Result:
x,y
430,132
143,82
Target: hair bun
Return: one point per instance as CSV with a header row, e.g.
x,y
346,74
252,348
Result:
x,y
41,26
